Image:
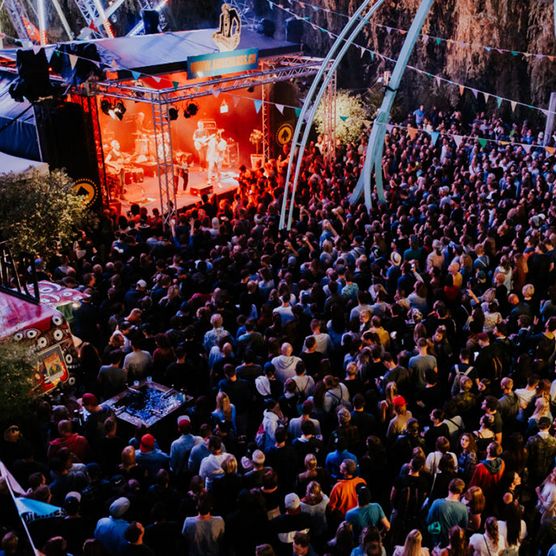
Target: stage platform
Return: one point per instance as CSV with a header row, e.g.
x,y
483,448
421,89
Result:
x,y
147,194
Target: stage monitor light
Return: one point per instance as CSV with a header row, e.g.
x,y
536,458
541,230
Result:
x,y
224,108
119,110
192,108
105,107
173,113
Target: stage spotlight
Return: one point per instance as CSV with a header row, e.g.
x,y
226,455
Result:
x,y
251,89
173,113
105,107
224,108
192,108
119,110
186,114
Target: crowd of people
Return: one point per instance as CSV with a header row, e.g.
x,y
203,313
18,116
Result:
x,y
370,382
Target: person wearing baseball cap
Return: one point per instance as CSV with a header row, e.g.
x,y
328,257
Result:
x,y
401,416
150,457
110,531
285,526
181,447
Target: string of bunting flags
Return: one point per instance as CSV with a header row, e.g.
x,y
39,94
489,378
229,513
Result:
x,y
458,139
437,78
425,38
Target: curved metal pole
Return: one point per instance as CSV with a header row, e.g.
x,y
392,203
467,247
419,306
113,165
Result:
x,y
376,140
347,44
308,98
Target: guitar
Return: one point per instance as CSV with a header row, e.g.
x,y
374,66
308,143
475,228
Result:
x,y
202,141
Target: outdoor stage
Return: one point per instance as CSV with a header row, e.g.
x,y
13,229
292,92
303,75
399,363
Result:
x,y
147,193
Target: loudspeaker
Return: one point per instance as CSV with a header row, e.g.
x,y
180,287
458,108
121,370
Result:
x,y
67,140
151,20
32,81
294,30
267,27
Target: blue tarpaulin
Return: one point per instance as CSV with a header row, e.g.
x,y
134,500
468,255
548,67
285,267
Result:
x,y
18,135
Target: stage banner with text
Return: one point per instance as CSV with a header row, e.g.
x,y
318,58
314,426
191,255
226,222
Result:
x,y
208,65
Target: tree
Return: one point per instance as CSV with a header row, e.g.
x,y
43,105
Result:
x,y
351,117
39,213
17,375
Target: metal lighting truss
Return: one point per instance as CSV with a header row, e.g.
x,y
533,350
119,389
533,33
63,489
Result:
x,y
19,18
275,69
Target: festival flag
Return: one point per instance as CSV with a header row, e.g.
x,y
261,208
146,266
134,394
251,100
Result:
x,y
270,5
425,39
280,108
526,148
388,29
36,48
513,104
434,137
515,53
438,41
73,60
362,51
552,58
330,35
437,81
475,92
343,118
136,75
488,49
402,32
93,27
486,95
483,142
156,79
30,509
461,90
297,112
258,104
499,101
175,84
457,140
49,53
372,56
216,93
550,150
389,128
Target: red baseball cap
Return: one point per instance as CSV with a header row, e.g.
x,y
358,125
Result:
x,y
398,401
89,399
147,443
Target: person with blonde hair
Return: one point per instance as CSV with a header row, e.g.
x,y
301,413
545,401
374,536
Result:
x,y
224,414
413,545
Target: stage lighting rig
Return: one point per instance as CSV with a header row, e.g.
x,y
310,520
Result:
x,y
173,113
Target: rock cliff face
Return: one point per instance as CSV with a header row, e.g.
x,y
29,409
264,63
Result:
x,y
520,25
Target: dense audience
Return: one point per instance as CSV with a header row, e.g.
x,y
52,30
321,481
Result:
x,y
368,383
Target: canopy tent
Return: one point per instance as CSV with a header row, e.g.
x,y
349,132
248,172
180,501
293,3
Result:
x,y
18,133
18,165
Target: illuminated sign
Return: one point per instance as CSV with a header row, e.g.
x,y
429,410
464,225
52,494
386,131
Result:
x,y
220,63
228,35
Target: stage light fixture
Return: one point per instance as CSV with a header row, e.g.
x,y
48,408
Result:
x,y
119,110
186,114
105,107
173,113
192,108
251,89
224,108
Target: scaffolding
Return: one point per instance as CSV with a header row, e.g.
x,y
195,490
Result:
x,y
329,123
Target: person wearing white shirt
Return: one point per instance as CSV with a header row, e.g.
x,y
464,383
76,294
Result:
x,y
211,466
491,542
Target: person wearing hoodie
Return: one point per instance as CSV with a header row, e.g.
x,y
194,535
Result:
x,y
272,419
489,472
267,385
285,363
75,443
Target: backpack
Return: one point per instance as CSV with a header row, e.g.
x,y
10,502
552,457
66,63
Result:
x,y
260,437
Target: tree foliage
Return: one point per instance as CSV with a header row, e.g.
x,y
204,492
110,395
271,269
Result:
x,y
17,376
38,213
351,116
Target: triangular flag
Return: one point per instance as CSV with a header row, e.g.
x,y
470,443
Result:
x,y
372,56
388,29
437,81
136,75
457,140
49,53
258,104
487,96
434,137
513,104
488,49
236,101
301,5
280,108
475,92
330,35
315,8
36,48
552,58
216,93
483,142
526,148
402,31
362,51
550,150
156,79
461,89
73,60
515,53
389,128
438,40
92,26
175,84
33,509
499,101
343,118
545,112
540,56
297,112
425,39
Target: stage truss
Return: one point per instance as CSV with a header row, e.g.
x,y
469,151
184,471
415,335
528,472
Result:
x,y
274,69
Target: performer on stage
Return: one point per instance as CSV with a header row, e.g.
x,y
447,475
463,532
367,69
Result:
x,y
215,155
181,170
200,139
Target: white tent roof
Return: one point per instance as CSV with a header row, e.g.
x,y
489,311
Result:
x,y
9,163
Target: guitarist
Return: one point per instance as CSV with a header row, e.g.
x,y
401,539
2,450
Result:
x,y
200,139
